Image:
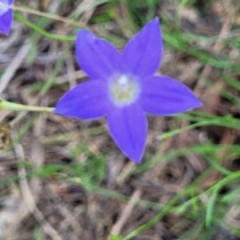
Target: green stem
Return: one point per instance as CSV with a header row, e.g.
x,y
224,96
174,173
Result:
x,y
42,31
5,105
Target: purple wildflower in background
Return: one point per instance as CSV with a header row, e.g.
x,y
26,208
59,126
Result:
x,y
6,16
123,87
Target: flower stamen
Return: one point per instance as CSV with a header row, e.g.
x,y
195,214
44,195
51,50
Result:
x,y
124,90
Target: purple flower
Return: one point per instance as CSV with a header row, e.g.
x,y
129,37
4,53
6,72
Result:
x,y
6,16
123,87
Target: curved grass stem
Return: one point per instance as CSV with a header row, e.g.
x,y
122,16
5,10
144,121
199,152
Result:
x,y
42,31
48,15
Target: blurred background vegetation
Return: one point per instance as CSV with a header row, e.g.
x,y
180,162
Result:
x,y
66,179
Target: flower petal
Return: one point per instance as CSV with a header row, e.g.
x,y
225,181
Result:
x,y
88,100
97,57
6,22
163,95
128,128
143,53
5,2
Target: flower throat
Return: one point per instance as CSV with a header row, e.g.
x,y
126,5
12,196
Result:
x,y
124,90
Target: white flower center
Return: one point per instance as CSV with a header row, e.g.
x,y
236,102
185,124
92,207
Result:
x,y
3,6
124,90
